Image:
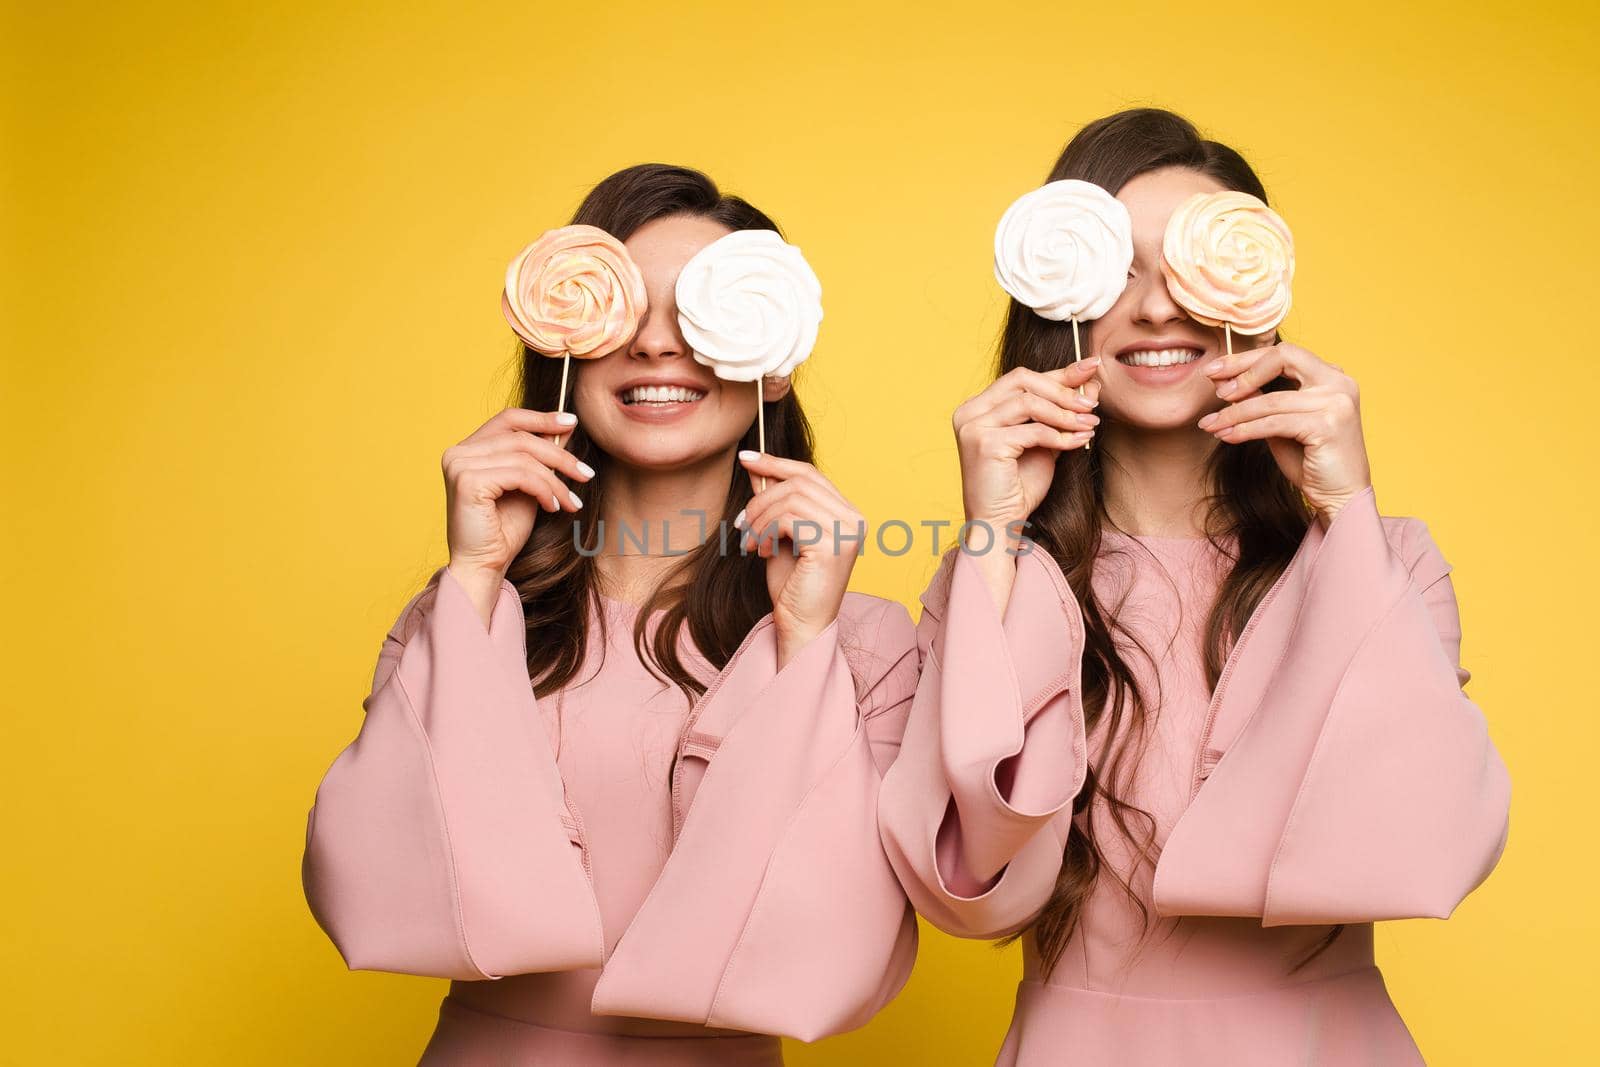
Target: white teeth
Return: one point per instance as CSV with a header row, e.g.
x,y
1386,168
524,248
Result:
x,y
1166,357
660,394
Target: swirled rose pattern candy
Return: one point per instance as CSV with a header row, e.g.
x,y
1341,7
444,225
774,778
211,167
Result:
x,y
1229,261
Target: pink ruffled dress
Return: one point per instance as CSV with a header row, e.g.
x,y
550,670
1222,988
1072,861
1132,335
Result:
x,y
590,911
1338,775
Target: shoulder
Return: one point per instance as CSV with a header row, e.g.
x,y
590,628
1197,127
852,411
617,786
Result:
x,y
421,602
879,642
875,621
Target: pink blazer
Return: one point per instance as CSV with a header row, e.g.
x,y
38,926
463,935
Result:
x,y
441,842
1343,777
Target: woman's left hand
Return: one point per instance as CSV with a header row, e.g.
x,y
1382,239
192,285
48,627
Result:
x,y
1314,431
810,536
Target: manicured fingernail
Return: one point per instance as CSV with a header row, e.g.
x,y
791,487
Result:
x,y
1209,419
1225,388
566,418
1212,367
575,501
749,455
1092,420
738,520
584,469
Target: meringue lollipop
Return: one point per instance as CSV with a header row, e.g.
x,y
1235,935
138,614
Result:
x,y
1229,261
749,305
574,293
1064,250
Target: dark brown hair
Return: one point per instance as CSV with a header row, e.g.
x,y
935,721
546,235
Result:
x,y
1249,501
719,595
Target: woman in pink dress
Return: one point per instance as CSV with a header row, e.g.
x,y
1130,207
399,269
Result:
x,y
625,797
1206,724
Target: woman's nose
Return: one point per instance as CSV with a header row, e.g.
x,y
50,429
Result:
x,y
1153,303
659,336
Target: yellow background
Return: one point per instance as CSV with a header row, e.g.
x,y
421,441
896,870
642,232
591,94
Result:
x,y
252,259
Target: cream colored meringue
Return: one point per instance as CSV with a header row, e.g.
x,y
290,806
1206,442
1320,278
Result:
x,y
574,291
1229,259
749,305
1064,250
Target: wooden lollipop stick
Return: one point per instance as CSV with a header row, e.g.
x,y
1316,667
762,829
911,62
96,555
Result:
x,y
1227,335
561,398
1077,354
761,429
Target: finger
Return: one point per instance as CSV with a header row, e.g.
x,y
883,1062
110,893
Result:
x,y
805,532
765,524
541,449
540,422
1018,439
778,494
763,502
1242,372
1258,406
1078,372
1231,363
769,466
799,501
1030,408
1058,386
1062,388
1297,425
489,480
1280,360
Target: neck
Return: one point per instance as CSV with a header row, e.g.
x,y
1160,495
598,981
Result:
x,y
669,510
1155,480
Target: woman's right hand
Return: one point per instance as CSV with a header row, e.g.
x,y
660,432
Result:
x,y
1010,434
496,481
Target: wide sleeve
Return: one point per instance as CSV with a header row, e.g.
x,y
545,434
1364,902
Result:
x,y
777,911
976,810
1364,784
440,842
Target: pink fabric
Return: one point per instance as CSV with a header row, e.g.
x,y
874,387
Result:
x,y
533,851
1341,775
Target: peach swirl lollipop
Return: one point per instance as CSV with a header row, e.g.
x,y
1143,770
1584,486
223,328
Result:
x,y
1229,261
749,305
574,292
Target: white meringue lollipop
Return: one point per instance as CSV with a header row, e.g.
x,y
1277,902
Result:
x,y
749,305
1064,250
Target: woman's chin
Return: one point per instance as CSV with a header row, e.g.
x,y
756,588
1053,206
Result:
x,y
664,453
1163,423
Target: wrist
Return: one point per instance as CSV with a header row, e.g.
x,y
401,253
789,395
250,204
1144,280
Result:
x,y
1327,510
476,574
982,534
481,584
793,638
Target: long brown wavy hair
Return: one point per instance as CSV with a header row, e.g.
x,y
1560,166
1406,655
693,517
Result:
x,y
1248,500
719,595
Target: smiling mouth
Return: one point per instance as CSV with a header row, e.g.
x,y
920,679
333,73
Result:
x,y
659,395
1164,357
